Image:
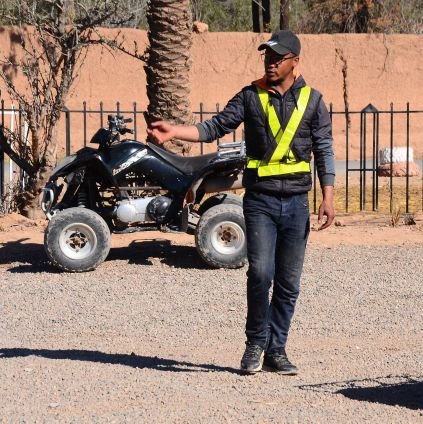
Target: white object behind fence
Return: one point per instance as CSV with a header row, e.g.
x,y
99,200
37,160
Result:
x,y
397,166
399,154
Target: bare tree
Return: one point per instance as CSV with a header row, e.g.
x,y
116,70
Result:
x,y
51,40
362,16
168,64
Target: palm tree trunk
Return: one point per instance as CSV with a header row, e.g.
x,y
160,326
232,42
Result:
x,y
168,65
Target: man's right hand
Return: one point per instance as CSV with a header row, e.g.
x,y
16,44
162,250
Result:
x,y
161,131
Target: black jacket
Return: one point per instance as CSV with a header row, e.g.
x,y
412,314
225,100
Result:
x,y
313,135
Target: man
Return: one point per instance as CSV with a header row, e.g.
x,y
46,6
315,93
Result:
x,y
285,121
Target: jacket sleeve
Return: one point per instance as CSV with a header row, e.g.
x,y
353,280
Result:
x,y
321,133
225,121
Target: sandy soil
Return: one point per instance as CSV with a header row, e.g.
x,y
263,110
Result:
x,y
155,336
357,229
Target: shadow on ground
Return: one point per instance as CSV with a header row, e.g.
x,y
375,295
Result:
x,y
31,257
408,394
405,391
132,360
147,252
24,257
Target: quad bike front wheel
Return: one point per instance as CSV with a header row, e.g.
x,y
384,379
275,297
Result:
x,y
77,240
220,237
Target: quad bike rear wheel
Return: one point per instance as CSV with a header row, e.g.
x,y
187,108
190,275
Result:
x,y
220,199
220,237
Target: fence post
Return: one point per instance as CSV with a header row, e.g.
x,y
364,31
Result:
x,y
201,120
391,144
67,136
369,109
135,119
407,182
101,115
84,113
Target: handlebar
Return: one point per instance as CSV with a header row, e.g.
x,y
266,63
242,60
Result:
x,y
118,119
117,126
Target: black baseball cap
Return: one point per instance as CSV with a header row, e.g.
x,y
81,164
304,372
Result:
x,y
283,42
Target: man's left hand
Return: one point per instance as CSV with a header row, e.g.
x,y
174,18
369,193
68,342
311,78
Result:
x,y
326,209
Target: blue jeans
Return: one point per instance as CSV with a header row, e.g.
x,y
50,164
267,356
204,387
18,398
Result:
x,y
277,231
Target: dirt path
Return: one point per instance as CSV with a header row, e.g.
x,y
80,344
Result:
x,y
153,335
357,229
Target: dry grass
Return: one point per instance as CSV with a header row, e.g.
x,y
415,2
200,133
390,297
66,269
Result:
x,y
395,217
387,202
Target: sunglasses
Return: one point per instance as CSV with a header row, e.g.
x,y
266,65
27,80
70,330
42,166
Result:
x,y
274,59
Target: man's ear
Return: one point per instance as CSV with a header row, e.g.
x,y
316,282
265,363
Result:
x,y
295,64
295,67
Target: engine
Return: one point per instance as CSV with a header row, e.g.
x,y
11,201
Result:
x,y
144,209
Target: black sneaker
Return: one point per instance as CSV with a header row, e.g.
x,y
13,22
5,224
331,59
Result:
x,y
279,363
252,360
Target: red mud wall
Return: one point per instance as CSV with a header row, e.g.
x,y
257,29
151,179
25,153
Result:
x,y
354,68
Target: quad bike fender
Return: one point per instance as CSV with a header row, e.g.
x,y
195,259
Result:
x,y
93,162
215,184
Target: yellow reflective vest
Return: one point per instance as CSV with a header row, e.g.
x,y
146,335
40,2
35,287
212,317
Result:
x,y
282,160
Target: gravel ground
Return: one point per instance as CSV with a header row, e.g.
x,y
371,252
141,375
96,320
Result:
x,y
154,336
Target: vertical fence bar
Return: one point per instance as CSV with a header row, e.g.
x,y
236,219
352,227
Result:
x,y
377,161
135,119
101,115
374,169
68,130
347,168
391,144
117,108
361,160
407,181
201,120
84,113
364,160
217,111
369,109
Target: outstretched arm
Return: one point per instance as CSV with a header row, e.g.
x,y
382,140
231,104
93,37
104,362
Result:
x,y
162,131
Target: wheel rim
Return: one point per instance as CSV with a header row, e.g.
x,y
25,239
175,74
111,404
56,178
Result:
x,y
78,241
227,237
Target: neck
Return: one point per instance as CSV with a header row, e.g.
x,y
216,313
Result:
x,y
283,85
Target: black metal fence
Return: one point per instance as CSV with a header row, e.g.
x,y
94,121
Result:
x,y
383,131
360,135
